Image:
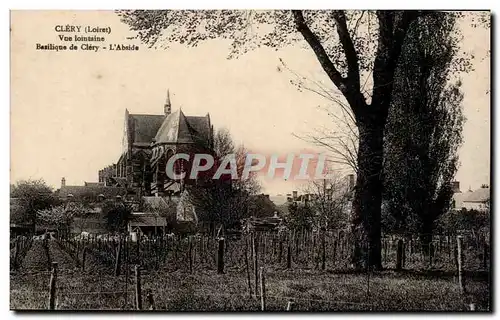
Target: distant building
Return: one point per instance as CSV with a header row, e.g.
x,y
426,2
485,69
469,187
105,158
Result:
x,y
149,141
478,199
344,190
471,200
90,192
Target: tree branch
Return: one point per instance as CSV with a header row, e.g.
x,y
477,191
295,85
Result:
x,y
320,52
349,50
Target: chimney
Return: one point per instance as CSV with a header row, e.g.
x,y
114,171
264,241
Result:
x,y
351,182
167,108
63,182
295,193
455,185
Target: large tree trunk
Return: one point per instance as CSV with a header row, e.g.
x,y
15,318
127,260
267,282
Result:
x,y
365,221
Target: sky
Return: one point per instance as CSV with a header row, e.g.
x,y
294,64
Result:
x,y
67,108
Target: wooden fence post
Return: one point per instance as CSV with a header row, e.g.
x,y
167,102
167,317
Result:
x,y
399,255
220,256
151,301
138,296
84,254
16,252
248,268
289,256
431,253
280,250
403,258
485,254
52,292
262,289
255,264
289,305
334,253
118,258
138,247
323,251
460,259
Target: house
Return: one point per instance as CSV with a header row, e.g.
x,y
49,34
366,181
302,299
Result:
x,y
263,224
147,224
470,200
341,189
90,192
478,199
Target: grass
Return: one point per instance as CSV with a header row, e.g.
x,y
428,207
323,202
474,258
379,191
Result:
x,y
208,291
205,290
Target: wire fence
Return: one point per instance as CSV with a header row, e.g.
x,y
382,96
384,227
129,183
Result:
x,y
92,261
251,301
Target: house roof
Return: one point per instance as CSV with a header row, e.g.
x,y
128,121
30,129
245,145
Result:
x,y
93,184
145,127
264,223
154,202
479,195
82,191
147,220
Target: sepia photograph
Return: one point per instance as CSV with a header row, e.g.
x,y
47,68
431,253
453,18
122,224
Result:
x,y
250,160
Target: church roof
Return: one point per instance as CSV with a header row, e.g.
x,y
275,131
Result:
x,y
145,127
177,128
200,126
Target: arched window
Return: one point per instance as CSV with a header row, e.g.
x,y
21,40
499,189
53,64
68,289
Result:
x,y
160,173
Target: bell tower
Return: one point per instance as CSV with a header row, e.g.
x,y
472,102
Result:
x,y
167,108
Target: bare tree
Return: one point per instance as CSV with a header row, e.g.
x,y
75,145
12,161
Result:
x,y
224,201
330,199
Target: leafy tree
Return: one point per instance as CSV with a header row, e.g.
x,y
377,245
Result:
x,y
465,219
61,216
424,128
348,45
32,196
117,214
260,206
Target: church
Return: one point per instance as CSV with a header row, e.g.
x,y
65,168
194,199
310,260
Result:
x,y
149,140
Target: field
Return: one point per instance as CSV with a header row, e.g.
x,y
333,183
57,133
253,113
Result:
x,y
306,272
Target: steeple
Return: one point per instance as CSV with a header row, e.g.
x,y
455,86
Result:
x,y
167,108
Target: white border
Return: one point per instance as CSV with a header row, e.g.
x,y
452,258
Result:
x,y
257,4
